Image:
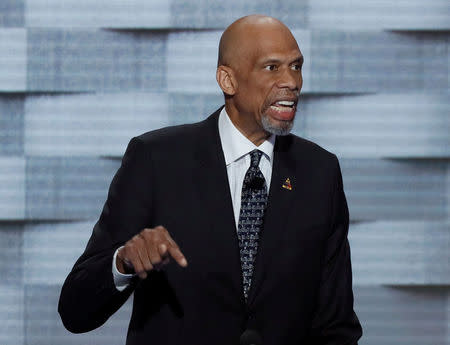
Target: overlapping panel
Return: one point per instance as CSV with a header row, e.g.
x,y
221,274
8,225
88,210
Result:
x,y
13,59
11,124
67,188
435,51
395,190
448,318
187,108
192,61
12,188
409,125
95,60
448,66
384,14
12,13
11,257
94,125
11,288
43,242
357,61
11,315
400,253
448,191
100,13
220,14
409,15
402,316
43,324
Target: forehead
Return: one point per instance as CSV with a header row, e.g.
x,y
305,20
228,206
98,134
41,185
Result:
x,y
272,43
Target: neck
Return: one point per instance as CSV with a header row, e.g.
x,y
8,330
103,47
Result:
x,y
247,125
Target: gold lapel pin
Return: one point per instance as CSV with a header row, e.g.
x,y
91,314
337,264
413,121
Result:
x,y
287,184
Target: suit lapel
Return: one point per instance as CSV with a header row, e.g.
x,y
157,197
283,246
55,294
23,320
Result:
x,y
277,212
213,192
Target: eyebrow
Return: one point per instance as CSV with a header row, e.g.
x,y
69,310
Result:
x,y
299,59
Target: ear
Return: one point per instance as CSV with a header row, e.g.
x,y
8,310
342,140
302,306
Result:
x,y
225,79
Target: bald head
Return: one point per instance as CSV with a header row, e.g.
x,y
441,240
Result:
x,y
242,36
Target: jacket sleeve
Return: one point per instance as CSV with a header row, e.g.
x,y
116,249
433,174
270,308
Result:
x,y
89,297
335,322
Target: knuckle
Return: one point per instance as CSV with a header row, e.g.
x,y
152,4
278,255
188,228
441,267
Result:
x,y
136,238
162,229
129,246
156,260
146,231
148,235
144,234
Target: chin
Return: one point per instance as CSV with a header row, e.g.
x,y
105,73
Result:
x,y
276,127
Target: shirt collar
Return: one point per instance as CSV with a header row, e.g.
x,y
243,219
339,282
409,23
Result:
x,y
236,145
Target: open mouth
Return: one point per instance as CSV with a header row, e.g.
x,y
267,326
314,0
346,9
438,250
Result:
x,y
284,110
283,105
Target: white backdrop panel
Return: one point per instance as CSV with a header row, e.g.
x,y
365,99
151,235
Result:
x,y
381,125
11,315
90,125
50,250
99,13
13,59
400,253
12,188
380,14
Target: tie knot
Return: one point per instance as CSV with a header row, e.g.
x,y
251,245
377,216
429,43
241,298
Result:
x,y
255,157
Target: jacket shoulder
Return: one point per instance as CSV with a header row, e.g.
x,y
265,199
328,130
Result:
x,y
178,138
171,134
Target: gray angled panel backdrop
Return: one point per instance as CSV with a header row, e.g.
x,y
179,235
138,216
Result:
x,y
78,79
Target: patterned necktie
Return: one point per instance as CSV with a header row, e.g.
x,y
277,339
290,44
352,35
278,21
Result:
x,y
253,205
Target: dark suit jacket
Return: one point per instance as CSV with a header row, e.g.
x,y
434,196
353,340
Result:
x,y
176,177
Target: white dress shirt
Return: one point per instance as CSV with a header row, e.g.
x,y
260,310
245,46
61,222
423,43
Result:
x,y
236,148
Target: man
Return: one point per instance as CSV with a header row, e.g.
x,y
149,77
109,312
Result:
x,y
254,219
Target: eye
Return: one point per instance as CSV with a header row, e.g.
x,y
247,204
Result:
x,y
296,67
271,67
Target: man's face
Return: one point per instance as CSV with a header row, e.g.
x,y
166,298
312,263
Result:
x,y
269,80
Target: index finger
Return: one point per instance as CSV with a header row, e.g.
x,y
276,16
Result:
x,y
176,253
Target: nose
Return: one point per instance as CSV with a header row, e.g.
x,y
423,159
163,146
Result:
x,y
290,79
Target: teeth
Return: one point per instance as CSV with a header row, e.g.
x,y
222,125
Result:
x,y
281,108
286,103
